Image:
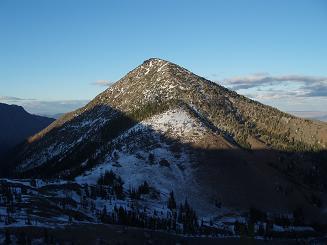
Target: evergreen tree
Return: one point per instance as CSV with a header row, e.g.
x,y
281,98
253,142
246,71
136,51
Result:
x,y
104,215
171,201
188,218
86,189
119,190
151,158
107,178
144,188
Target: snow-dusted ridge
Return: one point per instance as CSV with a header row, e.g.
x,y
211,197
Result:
x,y
170,168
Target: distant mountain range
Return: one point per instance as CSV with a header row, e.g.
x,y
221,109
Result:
x,y
16,125
315,115
55,116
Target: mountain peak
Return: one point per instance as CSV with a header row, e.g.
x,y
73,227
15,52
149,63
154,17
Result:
x,y
12,108
167,127
157,66
153,59
152,64
153,81
159,83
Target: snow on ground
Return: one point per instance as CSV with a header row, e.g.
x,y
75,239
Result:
x,y
169,170
48,216
279,228
177,123
174,124
178,120
83,129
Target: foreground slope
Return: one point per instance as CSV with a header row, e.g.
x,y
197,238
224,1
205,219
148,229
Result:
x,y
180,132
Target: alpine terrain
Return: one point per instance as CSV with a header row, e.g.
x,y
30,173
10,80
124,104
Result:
x,y
16,125
165,149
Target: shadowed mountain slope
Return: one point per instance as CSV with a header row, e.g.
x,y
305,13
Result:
x,y
16,125
157,81
178,131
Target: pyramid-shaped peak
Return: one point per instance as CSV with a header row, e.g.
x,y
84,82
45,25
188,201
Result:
x,y
158,75
155,60
159,66
151,66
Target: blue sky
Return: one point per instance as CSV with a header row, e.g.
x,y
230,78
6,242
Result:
x,y
54,51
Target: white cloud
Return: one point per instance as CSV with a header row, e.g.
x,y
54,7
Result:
x,y
306,86
286,92
11,99
105,83
43,107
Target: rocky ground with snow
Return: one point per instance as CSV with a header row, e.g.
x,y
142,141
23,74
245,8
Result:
x,y
48,206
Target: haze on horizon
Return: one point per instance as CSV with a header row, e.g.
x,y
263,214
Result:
x,y
58,55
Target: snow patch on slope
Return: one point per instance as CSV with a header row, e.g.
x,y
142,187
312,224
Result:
x,y
82,129
177,123
143,154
